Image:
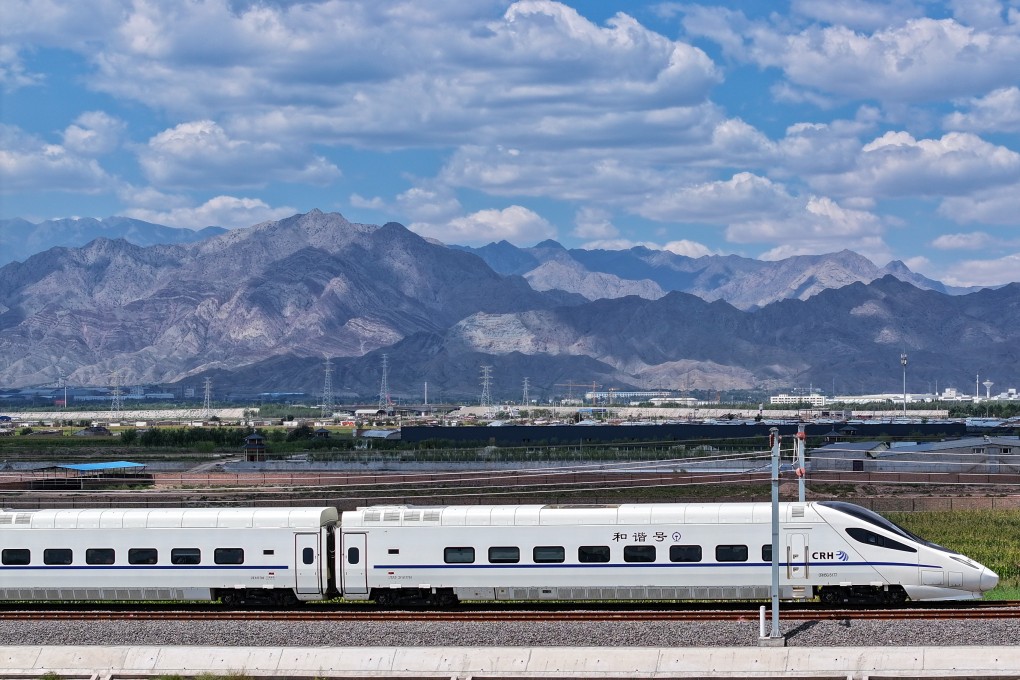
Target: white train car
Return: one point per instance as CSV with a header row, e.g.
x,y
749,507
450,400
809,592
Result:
x,y
837,551
240,555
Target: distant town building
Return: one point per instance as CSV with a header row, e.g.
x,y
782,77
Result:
x,y
812,399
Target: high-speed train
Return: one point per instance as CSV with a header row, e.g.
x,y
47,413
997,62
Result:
x,y
403,555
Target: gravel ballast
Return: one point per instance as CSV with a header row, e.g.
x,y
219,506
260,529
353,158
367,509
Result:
x,y
1000,632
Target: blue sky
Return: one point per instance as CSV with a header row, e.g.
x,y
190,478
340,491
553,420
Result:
x,y
765,129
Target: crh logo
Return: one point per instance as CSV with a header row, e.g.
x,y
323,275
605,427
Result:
x,y
829,555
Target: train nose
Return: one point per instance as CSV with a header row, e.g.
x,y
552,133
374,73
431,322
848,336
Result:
x,y
989,579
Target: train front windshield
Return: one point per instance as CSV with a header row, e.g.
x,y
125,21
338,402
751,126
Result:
x,y
879,521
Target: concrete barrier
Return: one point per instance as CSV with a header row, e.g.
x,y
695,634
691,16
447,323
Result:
x,y
496,663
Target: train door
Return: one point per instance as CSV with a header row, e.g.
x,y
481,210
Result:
x,y
796,557
306,560
355,569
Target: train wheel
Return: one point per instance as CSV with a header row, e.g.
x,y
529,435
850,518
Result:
x,y
443,597
894,597
233,598
285,598
385,598
831,596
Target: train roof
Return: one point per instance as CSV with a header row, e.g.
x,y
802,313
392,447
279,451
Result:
x,y
170,518
534,515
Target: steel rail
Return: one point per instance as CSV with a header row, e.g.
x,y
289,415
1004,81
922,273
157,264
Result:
x,y
1007,610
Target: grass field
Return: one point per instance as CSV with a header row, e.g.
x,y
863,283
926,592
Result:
x,y
992,537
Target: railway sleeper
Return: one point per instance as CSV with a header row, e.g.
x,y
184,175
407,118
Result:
x,y
257,597
397,597
890,595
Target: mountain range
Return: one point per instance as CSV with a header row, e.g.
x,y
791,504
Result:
x,y
259,309
20,239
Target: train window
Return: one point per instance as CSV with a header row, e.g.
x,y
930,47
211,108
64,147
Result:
x,y
353,556
731,553
504,555
228,556
308,555
143,556
268,551
593,553
100,556
393,551
548,554
459,555
16,557
871,538
57,556
766,553
185,556
685,553
639,553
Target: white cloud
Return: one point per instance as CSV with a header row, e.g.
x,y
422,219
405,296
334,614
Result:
x,y
689,248
221,211
901,60
998,111
993,205
423,204
681,247
975,240
515,224
94,133
986,14
896,164
742,197
201,154
337,73
374,203
993,272
27,163
594,223
814,226
12,71
862,15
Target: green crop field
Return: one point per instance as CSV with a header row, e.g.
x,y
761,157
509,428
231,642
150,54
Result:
x,y
992,537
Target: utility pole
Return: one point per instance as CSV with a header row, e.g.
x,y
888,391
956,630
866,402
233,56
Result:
x,y
774,638
903,360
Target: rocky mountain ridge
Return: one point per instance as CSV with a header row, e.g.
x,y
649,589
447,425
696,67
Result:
x,y
20,239
259,310
743,282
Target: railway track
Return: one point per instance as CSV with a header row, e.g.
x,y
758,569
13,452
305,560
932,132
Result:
x,y
989,610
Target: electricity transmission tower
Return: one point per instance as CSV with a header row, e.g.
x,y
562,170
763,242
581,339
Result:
x,y
524,398
384,387
486,400
207,399
327,391
117,403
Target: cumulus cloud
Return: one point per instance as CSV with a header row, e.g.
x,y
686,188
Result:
x,y
813,226
28,163
94,133
992,205
998,111
991,272
335,72
739,198
221,211
861,15
202,154
594,223
975,240
682,247
871,51
515,224
896,164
